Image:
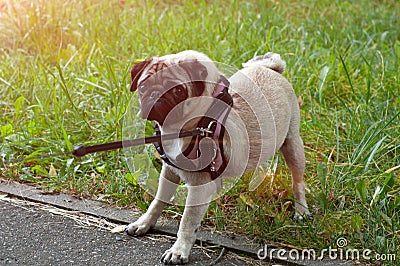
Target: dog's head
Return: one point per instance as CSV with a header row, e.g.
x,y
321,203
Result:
x,y
166,82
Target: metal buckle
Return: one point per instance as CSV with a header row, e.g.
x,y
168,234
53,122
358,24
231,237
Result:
x,y
205,132
212,166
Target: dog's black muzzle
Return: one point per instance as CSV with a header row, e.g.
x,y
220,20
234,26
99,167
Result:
x,y
156,105
156,111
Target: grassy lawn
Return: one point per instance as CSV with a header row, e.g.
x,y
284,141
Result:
x,y
64,80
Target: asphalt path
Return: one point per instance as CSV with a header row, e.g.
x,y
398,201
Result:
x,y
36,234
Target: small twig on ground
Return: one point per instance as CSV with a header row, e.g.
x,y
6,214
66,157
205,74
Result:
x,y
219,257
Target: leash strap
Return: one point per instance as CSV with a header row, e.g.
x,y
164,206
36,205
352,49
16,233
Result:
x,y
80,151
83,150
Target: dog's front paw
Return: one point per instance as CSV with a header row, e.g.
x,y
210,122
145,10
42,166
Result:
x,y
177,255
304,216
140,227
302,212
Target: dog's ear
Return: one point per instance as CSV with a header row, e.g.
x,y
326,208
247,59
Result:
x,y
137,71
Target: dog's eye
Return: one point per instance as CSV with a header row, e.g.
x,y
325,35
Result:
x,y
141,89
179,92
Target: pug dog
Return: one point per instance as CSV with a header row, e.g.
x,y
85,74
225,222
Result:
x,y
255,112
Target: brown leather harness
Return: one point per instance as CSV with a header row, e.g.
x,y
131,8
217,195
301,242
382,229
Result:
x,y
210,126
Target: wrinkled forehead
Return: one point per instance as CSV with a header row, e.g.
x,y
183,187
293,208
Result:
x,y
167,68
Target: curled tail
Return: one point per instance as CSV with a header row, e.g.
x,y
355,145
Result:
x,y
269,60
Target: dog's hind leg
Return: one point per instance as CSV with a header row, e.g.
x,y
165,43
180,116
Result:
x,y
167,185
293,152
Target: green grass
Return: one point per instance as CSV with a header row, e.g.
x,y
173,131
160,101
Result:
x,y
64,80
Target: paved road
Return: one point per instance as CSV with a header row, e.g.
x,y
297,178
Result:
x,y
36,234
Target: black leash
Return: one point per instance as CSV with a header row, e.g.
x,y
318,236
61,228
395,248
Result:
x,y
82,150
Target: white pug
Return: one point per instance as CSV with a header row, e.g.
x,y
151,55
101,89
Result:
x,y
178,91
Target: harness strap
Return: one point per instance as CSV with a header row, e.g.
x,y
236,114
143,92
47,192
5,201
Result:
x,y
211,125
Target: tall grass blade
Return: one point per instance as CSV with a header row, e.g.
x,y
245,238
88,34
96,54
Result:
x,y
371,156
347,74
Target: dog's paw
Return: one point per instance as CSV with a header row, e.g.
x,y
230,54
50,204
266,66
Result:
x,y
303,215
301,212
140,227
177,255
